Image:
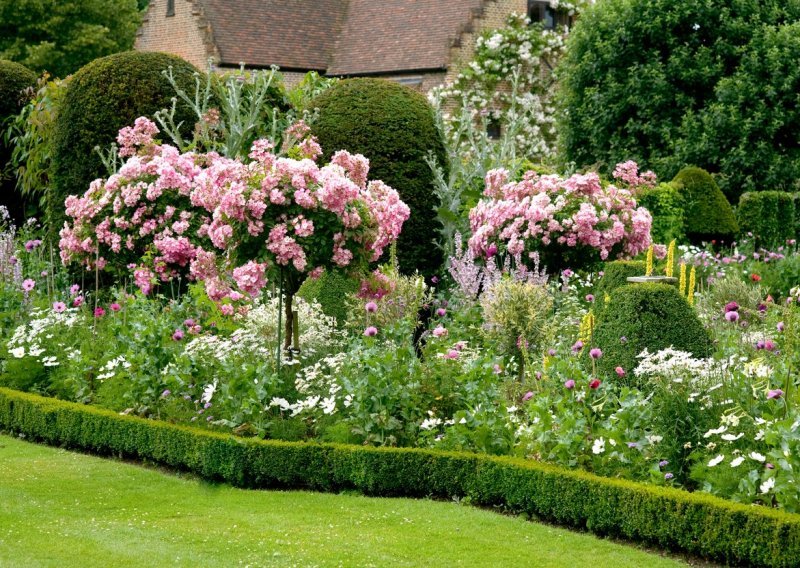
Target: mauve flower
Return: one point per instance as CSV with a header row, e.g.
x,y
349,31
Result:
x,y
435,279
528,396
668,476
178,335
595,353
769,345
166,393
577,346
77,302
371,307
188,322
99,312
774,394
452,354
115,307
769,466
59,307
623,339
732,316
43,274
226,309
439,331
74,289
762,307
567,273
632,444
780,326
497,369
595,384
620,371
731,307
663,463
491,250
371,331
28,284
551,352
589,298
441,312
570,384
760,344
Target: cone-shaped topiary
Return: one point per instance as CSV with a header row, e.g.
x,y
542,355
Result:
x,y
14,79
393,126
707,213
108,94
646,316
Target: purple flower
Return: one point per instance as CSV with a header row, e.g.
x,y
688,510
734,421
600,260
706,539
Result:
x,y
570,384
59,307
178,335
632,444
551,352
189,322
769,466
623,340
435,279
441,312
731,307
595,353
577,346
28,284
166,393
528,396
589,298
732,316
780,326
99,312
663,463
762,307
371,331
567,273
371,307
769,345
774,394
668,476
491,250
760,344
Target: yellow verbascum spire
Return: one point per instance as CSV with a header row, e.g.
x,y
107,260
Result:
x,y
586,328
670,259
649,271
690,294
682,282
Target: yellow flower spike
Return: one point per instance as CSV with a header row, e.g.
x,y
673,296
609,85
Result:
x,y
682,282
649,271
606,298
690,296
586,328
670,258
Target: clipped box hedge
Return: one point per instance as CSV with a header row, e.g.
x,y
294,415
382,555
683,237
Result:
x,y
770,215
668,518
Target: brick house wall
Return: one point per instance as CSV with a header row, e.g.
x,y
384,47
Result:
x,y
185,34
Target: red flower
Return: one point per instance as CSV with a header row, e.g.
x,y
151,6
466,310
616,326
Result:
x,y
755,277
594,383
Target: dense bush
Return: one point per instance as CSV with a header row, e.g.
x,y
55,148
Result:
x,y
768,215
616,274
14,79
647,316
665,204
393,126
698,524
103,97
708,215
637,72
331,291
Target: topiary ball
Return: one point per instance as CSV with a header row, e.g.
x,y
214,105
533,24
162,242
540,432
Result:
x,y
707,213
104,96
14,80
393,126
646,316
331,291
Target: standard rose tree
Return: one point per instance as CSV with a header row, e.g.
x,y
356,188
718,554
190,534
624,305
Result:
x,y
232,224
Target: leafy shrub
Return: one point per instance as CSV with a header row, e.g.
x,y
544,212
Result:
x,y
616,274
780,276
647,316
768,215
103,97
694,523
636,73
393,126
709,216
665,204
331,291
14,80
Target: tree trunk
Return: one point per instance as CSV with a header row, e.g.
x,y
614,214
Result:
x,y
288,323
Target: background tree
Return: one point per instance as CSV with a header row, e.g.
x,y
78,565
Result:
x,y
61,36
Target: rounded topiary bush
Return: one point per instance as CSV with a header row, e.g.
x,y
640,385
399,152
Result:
x,y
104,96
768,215
646,316
707,213
616,274
331,291
393,126
14,80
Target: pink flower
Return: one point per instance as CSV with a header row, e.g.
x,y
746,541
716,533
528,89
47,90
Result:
x,y
74,289
439,331
59,307
595,384
452,354
77,302
569,384
780,326
99,312
595,353
732,316
371,331
177,335
731,307
527,397
774,394
589,298
441,312
620,371
371,307
577,346
188,322
115,307
28,284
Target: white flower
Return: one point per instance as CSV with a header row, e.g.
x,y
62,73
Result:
x,y
511,409
281,402
737,462
654,439
758,457
348,400
767,485
719,430
716,461
328,405
430,423
19,352
209,391
462,421
599,446
731,437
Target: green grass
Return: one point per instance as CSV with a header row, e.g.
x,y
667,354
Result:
x,y
59,508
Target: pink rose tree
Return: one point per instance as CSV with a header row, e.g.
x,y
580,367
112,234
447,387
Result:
x,y
232,224
572,221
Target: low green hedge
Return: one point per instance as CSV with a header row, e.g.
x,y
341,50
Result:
x,y
668,518
769,215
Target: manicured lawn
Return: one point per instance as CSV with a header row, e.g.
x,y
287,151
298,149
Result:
x,y
60,508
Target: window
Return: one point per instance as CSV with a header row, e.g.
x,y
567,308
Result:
x,y
415,81
170,8
543,13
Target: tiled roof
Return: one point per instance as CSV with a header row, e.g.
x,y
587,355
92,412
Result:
x,y
293,34
341,37
382,36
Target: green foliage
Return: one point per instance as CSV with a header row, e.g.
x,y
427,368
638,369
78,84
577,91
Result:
x,y
393,126
694,523
709,216
769,216
646,316
103,97
616,274
14,81
61,36
665,203
780,276
312,85
517,312
638,72
331,291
